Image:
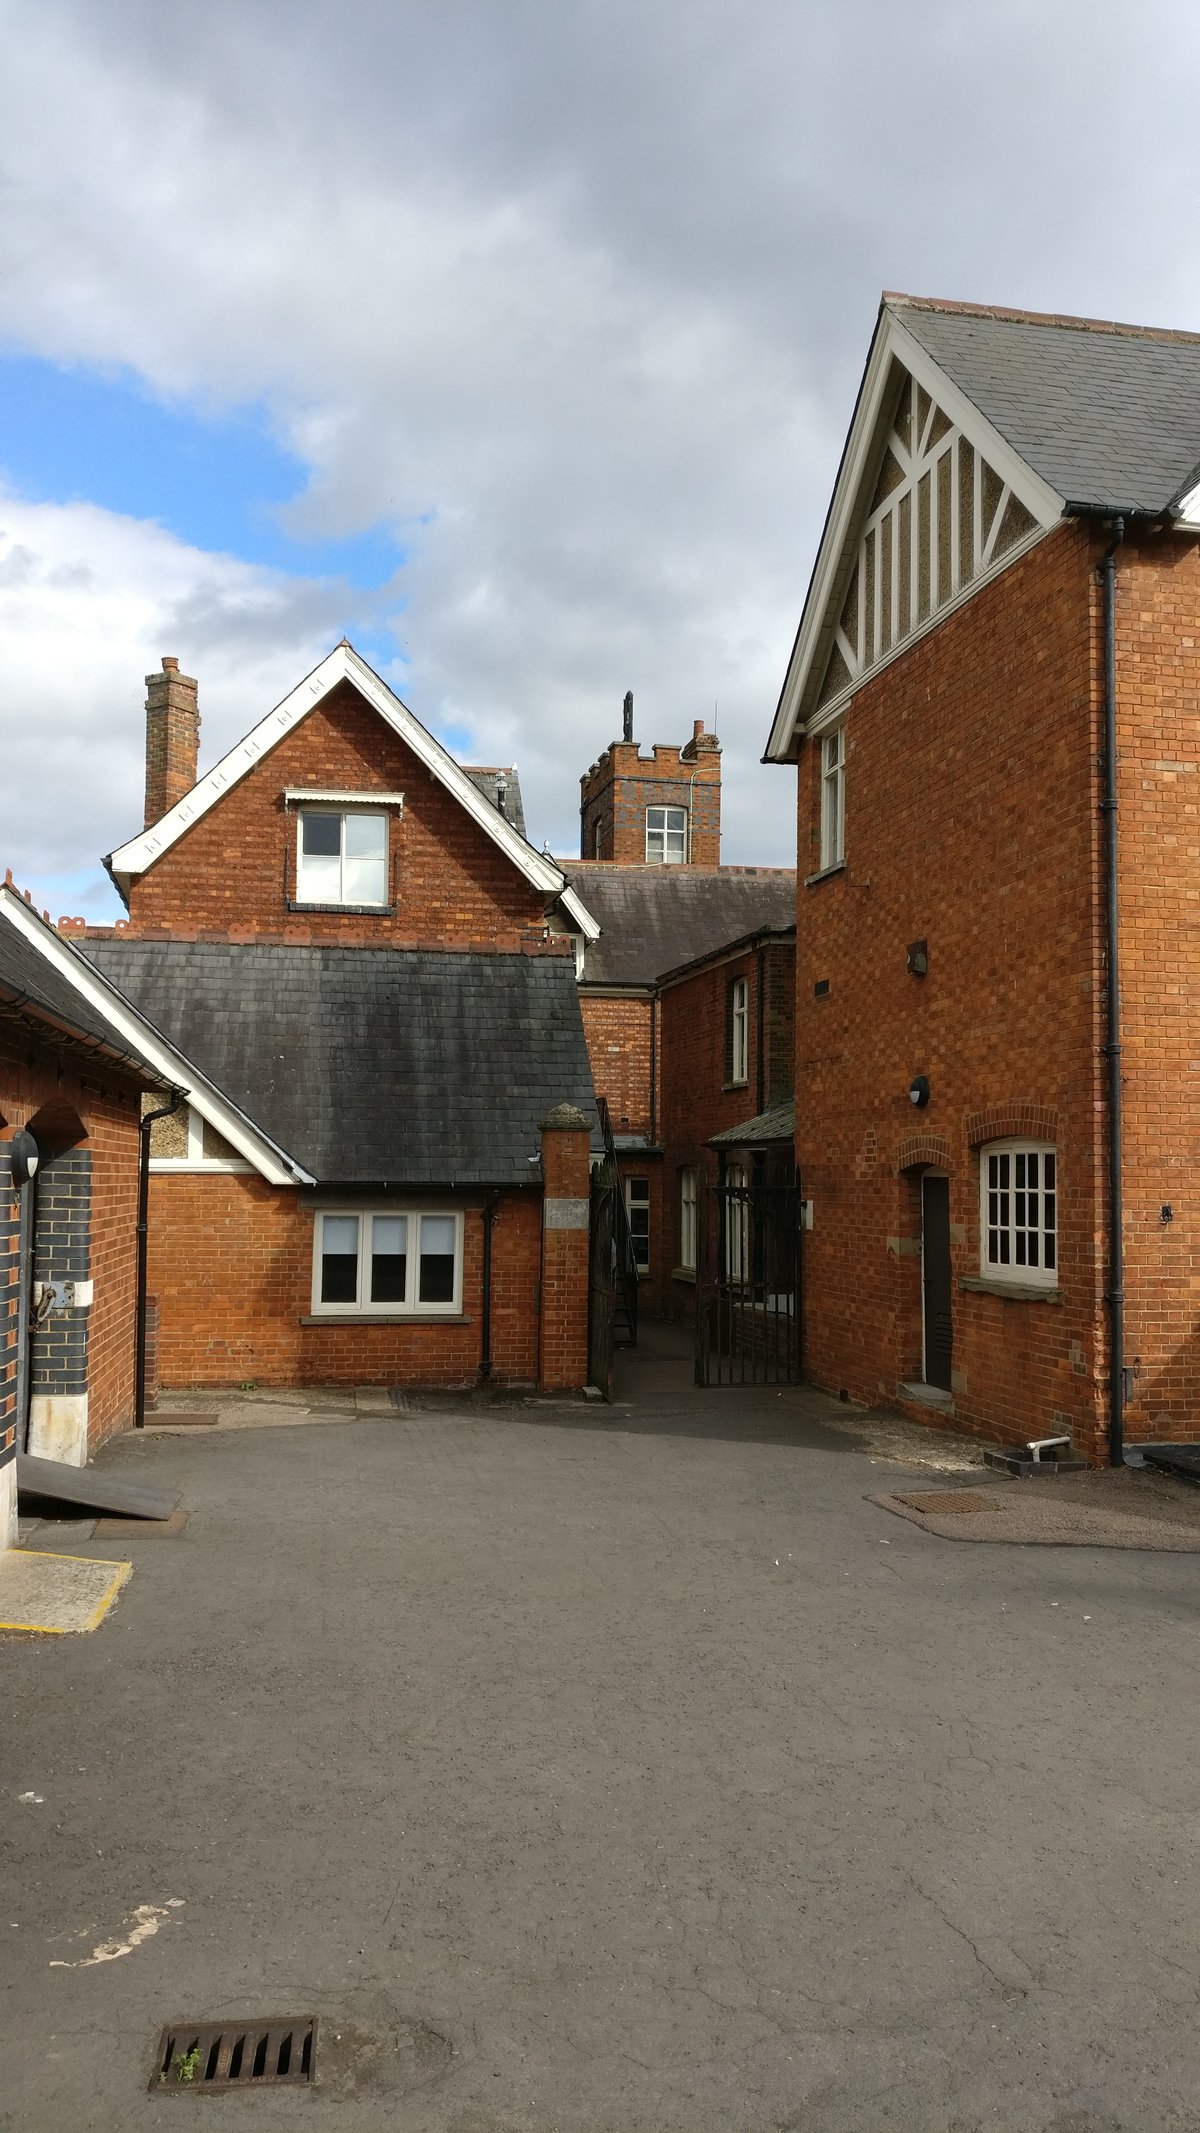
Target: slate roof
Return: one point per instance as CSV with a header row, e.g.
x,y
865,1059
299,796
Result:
x,y
30,983
485,781
1108,415
373,1066
653,919
778,1124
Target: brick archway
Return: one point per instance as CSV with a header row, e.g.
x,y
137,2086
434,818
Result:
x,y
924,1150
1022,1120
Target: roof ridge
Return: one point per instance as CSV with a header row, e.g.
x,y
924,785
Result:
x,y
1066,319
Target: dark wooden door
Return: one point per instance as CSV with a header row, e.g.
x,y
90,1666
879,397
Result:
x,y
935,1267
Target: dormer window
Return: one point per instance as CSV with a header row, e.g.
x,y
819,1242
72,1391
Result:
x,y
666,836
342,858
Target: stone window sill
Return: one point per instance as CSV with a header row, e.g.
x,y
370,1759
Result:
x,y
683,1273
387,1318
345,910
824,874
1012,1291
728,1087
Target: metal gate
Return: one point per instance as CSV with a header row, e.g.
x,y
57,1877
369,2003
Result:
x,y
748,1323
612,1266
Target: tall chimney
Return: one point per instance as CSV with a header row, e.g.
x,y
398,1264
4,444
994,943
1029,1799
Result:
x,y
628,715
172,739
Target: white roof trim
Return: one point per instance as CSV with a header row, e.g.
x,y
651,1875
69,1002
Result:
x,y
271,1162
892,341
1188,511
578,910
342,664
304,793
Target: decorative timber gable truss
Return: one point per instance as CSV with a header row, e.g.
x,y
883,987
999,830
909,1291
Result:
x,y
345,664
930,503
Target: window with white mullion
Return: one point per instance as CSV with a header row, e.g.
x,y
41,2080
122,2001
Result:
x,y
1018,1182
406,1263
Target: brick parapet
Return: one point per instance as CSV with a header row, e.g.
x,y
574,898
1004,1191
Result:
x,y
618,788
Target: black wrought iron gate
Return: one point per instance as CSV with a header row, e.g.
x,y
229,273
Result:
x,y
748,1277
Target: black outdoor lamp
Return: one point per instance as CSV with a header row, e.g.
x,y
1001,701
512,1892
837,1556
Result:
x,y
918,1091
24,1157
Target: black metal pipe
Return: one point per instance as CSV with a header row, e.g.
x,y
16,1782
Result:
x,y
760,1018
485,1312
1112,1046
149,1119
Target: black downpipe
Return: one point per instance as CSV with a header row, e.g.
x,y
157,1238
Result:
x,y
485,1314
149,1119
1112,1046
760,1017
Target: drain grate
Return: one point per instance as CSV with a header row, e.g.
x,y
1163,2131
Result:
x,y
197,2057
938,1501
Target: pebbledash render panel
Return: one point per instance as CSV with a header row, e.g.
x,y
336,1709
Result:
x,y
944,709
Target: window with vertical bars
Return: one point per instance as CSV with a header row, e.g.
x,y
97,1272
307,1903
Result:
x,y
1019,1212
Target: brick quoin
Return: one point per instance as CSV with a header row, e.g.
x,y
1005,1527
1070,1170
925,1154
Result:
x,y
234,871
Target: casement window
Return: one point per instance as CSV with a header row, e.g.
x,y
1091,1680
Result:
x,y
737,1223
1018,1213
637,1200
341,858
393,1263
833,797
666,836
687,1220
737,1053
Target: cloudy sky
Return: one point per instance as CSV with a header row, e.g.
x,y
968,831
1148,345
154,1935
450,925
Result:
x,y
516,341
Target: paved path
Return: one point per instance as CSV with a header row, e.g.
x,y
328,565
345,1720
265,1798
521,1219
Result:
x,y
610,1770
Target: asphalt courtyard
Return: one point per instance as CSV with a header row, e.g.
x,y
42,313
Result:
x,y
617,1769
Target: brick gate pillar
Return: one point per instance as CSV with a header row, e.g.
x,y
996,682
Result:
x,y
566,1182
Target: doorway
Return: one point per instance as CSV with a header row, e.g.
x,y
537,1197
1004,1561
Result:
x,y
938,1323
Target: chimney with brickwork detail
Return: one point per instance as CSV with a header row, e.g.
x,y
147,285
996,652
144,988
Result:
x,y
172,739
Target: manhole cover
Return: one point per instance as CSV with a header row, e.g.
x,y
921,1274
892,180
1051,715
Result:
x,y
196,2057
939,1501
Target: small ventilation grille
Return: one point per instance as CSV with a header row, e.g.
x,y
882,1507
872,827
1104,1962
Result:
x,y
196,2057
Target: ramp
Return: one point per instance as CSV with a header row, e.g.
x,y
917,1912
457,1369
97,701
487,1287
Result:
x,y
43,1483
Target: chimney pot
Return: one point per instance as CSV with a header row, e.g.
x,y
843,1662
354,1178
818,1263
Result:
x,y
170,666
697,728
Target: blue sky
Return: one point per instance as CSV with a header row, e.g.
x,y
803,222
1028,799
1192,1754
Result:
x,y
218,481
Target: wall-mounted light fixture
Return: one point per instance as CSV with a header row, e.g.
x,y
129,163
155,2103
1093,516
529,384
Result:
x,y
917,958
918,1091
24,1156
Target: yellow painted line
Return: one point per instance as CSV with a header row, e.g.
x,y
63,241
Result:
x,y
121,1572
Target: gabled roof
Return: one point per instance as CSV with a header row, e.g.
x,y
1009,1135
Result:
x,y
653,919
32,984
342,664
374,1066
1065,415
75,992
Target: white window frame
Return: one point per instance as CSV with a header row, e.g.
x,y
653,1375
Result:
x,y
411,1306
662,831
1006,1221
688,1231
195,1158
342,815
737,1226
833,798
641,1200
739,1033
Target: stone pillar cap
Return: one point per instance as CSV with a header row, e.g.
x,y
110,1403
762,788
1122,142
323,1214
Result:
x,y
565,1118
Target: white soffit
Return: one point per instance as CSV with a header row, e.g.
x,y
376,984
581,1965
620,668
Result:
x,y
851,497
145,1042
342,664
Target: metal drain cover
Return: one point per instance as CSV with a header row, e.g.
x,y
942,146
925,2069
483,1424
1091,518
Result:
x,y
939,1501
197,2057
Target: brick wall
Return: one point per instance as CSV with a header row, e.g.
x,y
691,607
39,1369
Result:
x,y
618,1031
42,1085
699,1099
9,1224
970,821
622,784
236,868
231,1267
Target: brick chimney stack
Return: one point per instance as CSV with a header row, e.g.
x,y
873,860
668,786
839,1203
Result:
x,y
172,739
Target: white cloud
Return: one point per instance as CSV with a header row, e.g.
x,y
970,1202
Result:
x,y
575,298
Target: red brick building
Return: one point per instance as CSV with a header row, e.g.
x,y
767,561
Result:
x,y
368,974
71,1093
992,708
